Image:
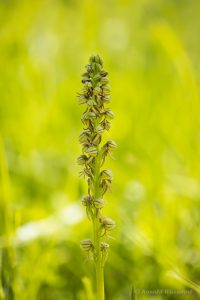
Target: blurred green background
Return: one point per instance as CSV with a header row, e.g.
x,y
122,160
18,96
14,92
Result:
x,y
151,50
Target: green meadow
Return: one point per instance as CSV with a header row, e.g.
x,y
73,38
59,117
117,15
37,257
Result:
x,y
151,50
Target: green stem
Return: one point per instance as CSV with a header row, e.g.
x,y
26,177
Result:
x,y
97,238
100,281
98,263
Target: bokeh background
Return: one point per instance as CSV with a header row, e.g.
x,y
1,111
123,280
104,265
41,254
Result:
x,y
151,50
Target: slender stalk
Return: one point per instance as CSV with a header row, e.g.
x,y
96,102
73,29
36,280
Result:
x,y
99,266
98,263
100,281
96,118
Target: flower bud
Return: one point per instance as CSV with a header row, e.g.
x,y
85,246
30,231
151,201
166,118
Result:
x,y
85,75
104,246
96,90
104,250
82,98
98,60
85,120
96,67
97,139
99,203
86,172
105,124
88,115
91,115
92,151
109,114
108,147
87,200
83,137
105,185
104,81
82,159
106,174
104,73
86,245
86,145
99,129
92,59
97,77
88,85
106,89
108,224
85,79
91,102
106,99
111,145
88,68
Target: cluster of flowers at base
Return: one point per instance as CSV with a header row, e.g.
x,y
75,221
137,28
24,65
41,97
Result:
x,y
96,118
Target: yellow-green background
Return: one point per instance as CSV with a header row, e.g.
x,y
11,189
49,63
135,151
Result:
x,y
151,50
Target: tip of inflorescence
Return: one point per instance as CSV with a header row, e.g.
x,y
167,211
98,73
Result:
x,y
96,59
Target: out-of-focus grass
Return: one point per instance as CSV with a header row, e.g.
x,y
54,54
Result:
x,y
151,50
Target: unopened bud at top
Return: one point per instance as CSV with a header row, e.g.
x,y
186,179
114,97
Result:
x,y
96,59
